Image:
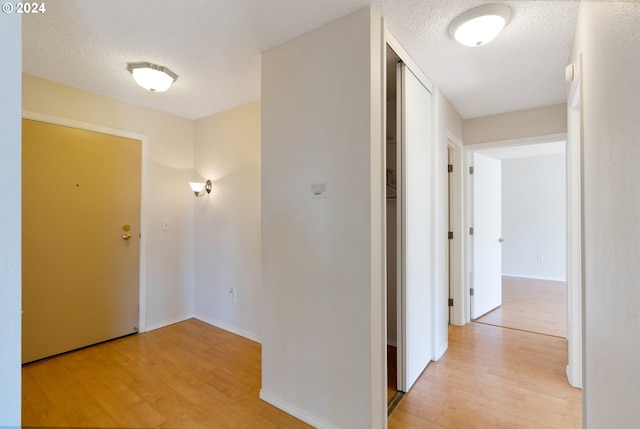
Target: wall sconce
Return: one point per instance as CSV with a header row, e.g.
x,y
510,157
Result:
x,y
200,188
152,77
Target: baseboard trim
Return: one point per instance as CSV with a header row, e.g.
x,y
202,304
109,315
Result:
x,y
167,322
573,378
235,330
294,411
442,351
522,276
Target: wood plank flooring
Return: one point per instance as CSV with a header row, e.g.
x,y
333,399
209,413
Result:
x,y
194,375
187,375
492,377
531,305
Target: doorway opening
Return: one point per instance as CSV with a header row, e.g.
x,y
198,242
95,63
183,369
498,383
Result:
x,y
527,290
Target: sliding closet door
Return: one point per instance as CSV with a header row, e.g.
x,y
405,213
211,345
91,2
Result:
x,y
416,307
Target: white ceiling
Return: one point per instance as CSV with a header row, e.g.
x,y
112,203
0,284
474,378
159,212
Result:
x,y
215,45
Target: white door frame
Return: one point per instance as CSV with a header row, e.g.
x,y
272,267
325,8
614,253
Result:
x,y
574,229
144,203
457,312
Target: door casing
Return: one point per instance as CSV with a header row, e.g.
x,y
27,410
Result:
x,y
144,187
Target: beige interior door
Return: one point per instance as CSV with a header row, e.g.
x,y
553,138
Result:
x,y
80,238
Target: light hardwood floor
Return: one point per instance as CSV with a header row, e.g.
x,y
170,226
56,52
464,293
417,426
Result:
x,y
492,377
531,305
194,375
187,375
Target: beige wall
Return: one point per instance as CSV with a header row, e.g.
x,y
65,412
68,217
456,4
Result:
x,y
227,222
450,119
167,167
607,43
516,125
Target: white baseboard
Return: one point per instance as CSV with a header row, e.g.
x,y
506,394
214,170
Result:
x,y
294,411
233,329
553,279
574,379
441,352
167,322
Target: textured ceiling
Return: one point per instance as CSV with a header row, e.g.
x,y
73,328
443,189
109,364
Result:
x,y
215,45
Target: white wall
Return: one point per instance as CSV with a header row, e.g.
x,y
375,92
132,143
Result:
x,y
227,222
322,261
10,220
541,121
607,37
167,167
534,217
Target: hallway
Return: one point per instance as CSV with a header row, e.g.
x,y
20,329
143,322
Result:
x,y
493,377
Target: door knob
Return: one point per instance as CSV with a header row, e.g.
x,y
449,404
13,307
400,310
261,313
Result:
x,y
126,229
500,240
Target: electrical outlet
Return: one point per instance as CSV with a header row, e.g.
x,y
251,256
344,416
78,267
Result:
x,y
232,295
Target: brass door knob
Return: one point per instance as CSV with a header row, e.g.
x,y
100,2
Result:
x,y
126,236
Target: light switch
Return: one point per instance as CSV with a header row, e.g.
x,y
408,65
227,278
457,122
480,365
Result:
x,y
319,190
166,225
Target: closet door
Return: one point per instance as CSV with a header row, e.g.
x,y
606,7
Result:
x,y
416,291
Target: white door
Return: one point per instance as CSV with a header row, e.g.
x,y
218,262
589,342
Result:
x,y
487,230
415,247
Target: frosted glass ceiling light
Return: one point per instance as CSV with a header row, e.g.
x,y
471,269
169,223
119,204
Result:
x,y
480,25
152,77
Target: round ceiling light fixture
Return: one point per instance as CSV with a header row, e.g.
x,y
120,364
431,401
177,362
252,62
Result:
x,y
152,77
480,25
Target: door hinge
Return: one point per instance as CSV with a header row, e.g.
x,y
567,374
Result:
x,y
471,291
450,235
471,170
471,231
450,302
450,168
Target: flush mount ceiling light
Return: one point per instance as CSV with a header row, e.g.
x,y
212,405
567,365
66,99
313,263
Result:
x,y
480,25
152,77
